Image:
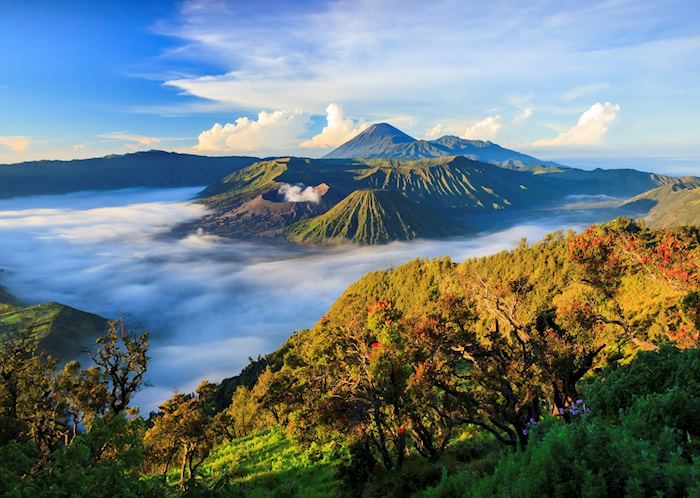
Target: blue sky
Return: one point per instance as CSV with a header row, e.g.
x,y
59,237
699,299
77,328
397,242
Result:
x,y
612,83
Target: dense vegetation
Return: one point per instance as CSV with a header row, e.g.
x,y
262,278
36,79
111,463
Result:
x,y
569,367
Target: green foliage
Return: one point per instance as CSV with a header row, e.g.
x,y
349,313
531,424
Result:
x,y
73,432
590,459
640,439
270,464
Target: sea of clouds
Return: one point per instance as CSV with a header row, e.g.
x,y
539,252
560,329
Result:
x,y
209,303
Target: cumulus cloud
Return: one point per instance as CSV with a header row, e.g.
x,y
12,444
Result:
x,y
270,131
297,193
15,144
524,115
486,129
339,129
590,129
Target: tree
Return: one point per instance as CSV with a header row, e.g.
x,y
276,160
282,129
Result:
x,y
121,362
31,404
183,431
241,417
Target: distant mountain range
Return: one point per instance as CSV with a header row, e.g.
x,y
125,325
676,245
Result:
x,y
140,169
385,141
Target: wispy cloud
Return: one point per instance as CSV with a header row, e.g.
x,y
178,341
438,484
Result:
x,y
15,144
524,115
583,90
122,136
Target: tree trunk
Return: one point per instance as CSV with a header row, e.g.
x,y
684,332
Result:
x,y
183,467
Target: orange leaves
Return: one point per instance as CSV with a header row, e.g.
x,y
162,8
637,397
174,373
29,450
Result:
x,y
685,338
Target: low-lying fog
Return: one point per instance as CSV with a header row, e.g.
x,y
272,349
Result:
x,y
209,302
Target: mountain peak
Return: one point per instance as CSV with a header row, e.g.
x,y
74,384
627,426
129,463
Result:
x,y
379,131
372,142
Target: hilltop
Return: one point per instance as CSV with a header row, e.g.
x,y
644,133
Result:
x,y
668,205
61,330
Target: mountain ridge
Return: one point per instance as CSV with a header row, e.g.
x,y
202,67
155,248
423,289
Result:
x,y
154,169
385,141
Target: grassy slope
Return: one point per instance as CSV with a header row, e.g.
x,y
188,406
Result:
x,y
63,331
370,217
245,184
269,464
670,205
453,182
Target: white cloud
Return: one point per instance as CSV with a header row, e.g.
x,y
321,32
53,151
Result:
x,y
524,115
486,129
123,136
590,129
297,193
271,131
339,129
583,90
15,144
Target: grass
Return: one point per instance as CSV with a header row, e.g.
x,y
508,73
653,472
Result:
x,y
269,464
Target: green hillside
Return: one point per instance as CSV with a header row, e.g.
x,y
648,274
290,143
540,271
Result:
x,y
669,205
269,463
453,182
6,297
371,217
247,203
62,331
245,184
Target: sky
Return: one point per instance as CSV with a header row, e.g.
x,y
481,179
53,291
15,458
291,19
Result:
x,y
611,83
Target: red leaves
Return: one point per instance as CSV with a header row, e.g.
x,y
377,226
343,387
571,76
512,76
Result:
x,y
604,256
685,338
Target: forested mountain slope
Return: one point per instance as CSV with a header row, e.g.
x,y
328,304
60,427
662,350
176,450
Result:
x,y
139,169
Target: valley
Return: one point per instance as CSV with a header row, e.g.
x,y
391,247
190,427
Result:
x,y
113,254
